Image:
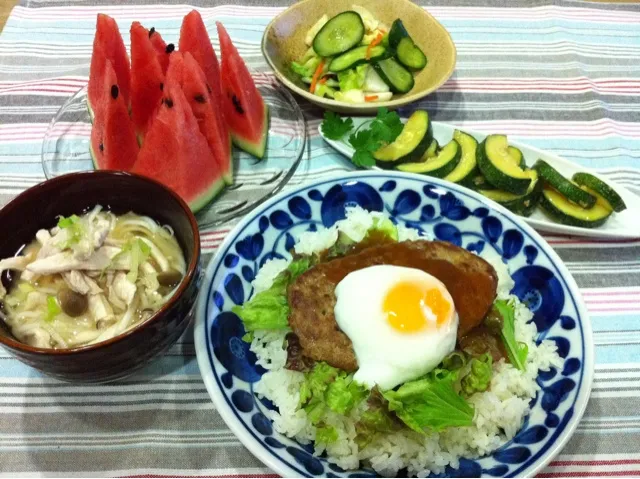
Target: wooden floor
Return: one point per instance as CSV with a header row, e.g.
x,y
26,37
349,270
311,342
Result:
x,y
5,10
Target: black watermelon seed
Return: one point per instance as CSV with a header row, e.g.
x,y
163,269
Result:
x,y
114,91
168,102
237,105
101,147
152,30
208,88
161,86
199,98
171,47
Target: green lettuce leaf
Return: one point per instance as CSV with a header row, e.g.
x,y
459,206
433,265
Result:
x,y
352,79
374,420
385,227
431,403
328,388
343,394
477,375
516,351
326,434
269,309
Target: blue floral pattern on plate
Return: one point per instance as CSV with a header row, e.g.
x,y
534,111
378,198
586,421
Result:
x,y
444,211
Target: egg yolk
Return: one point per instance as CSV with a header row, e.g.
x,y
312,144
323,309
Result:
x,y
405,302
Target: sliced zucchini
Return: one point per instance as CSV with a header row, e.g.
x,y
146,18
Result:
x,y
522,205
497,166
356,56
476,182
607,193
410,55
432,150
339,34
468,166
397,33
517,156
439,166
411,143
399,79
573,192
560,209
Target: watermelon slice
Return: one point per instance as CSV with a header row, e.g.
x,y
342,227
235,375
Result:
x,y
185,71
147,79
113,137
194,39
244,109
162,49
176,153
107,45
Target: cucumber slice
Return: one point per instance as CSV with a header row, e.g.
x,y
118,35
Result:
x,y
397,33
468,166
410,55
339,34
607,193
356,56
573,192
432,150
517,156
411,143
399,79
522,205
498,167
562,210
440,166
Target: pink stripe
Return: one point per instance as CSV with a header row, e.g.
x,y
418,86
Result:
x,y
609,293
601,462
589,473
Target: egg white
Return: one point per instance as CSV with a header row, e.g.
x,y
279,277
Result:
x,y
388,357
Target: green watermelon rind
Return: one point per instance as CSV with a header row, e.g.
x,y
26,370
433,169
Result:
x,y
228,175
258,148
204,198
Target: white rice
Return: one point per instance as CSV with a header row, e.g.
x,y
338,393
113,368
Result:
x,y
499,411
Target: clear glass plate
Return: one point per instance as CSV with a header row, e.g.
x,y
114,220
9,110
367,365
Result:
x,y
65,149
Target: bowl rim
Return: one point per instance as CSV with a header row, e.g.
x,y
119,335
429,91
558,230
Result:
x,y
49,187
201,336
362,107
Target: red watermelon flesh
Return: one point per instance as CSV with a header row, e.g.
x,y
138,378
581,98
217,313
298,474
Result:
x,y
162,49
107,45
147,79
176,153
194,39
113,138
244,109
185,71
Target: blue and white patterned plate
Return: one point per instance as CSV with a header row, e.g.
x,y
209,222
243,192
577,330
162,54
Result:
x,y
445,211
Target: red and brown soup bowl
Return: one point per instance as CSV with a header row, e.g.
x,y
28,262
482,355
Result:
x,y
122,355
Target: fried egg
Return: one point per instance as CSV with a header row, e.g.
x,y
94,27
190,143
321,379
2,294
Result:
x,y
402,323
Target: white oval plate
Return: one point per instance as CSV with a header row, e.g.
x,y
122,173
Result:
x,y
619,225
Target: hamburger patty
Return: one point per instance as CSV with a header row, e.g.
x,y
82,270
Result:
x,y
471,281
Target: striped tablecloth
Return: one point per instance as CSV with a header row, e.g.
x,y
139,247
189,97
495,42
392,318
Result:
x,y
559,75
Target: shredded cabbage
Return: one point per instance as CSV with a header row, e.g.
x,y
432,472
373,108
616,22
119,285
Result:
x,y
353,79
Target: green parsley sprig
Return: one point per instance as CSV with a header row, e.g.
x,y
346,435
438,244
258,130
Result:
x,y
334,127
